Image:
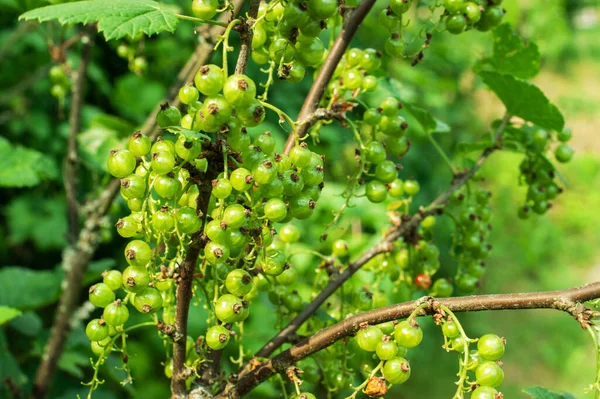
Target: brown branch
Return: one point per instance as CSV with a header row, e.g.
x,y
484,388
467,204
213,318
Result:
x,y
72,158
569,300
76,258
70,298
246,34
184,297
336,52
384,245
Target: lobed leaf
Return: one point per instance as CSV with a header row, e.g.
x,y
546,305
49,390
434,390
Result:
x,y
524,99
24,167
115,18
429,123
537,392
8,313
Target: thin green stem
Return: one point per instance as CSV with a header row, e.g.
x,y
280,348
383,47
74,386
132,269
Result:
x,y
442,153
200,20
280,113
596,385
366,381
463,366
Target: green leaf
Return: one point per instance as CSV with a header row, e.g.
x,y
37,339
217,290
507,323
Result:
x,y
73,362
115,18
29,323
7,314
24,167
37,218
9,368
524,99
538,392
512,56
95,269
427,121
28,289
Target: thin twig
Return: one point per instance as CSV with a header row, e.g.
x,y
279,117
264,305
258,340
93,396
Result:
x,y
336,52
569,300
246,33
70,298
384,245
72,157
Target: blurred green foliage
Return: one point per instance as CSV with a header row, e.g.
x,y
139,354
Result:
x,y
551,252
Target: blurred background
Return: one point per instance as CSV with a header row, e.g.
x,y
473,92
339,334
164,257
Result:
x,y
558,250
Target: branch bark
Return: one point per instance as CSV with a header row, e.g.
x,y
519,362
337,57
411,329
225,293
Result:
x,y
72,158
76,258
336,52
569,300
74,275
246,34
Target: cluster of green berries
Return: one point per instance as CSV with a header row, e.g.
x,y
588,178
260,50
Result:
x,y
390,342
130,52
61,83
256,190
391,19
287,34
471,239
355,72
538,173
388,132
484,362
482,15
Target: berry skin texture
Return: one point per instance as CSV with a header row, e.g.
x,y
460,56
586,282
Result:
x,y
564,153
115,314
127,226
411,187
188,94
209,79
163,162
112,279
369,338
456,24
188,221
453,6
375,152
472,12
275,210
322,9
217,337
148,300
222,188
399,7
229,309
376,191
396,370
407,335
340,248
121,163
386,171
386,350
489,374
138,253
239,90
96,330
450,330
239,282
135,279
133,186
484,392
168,116
490,347
241,179
101,295
139,144
205,9
289,233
